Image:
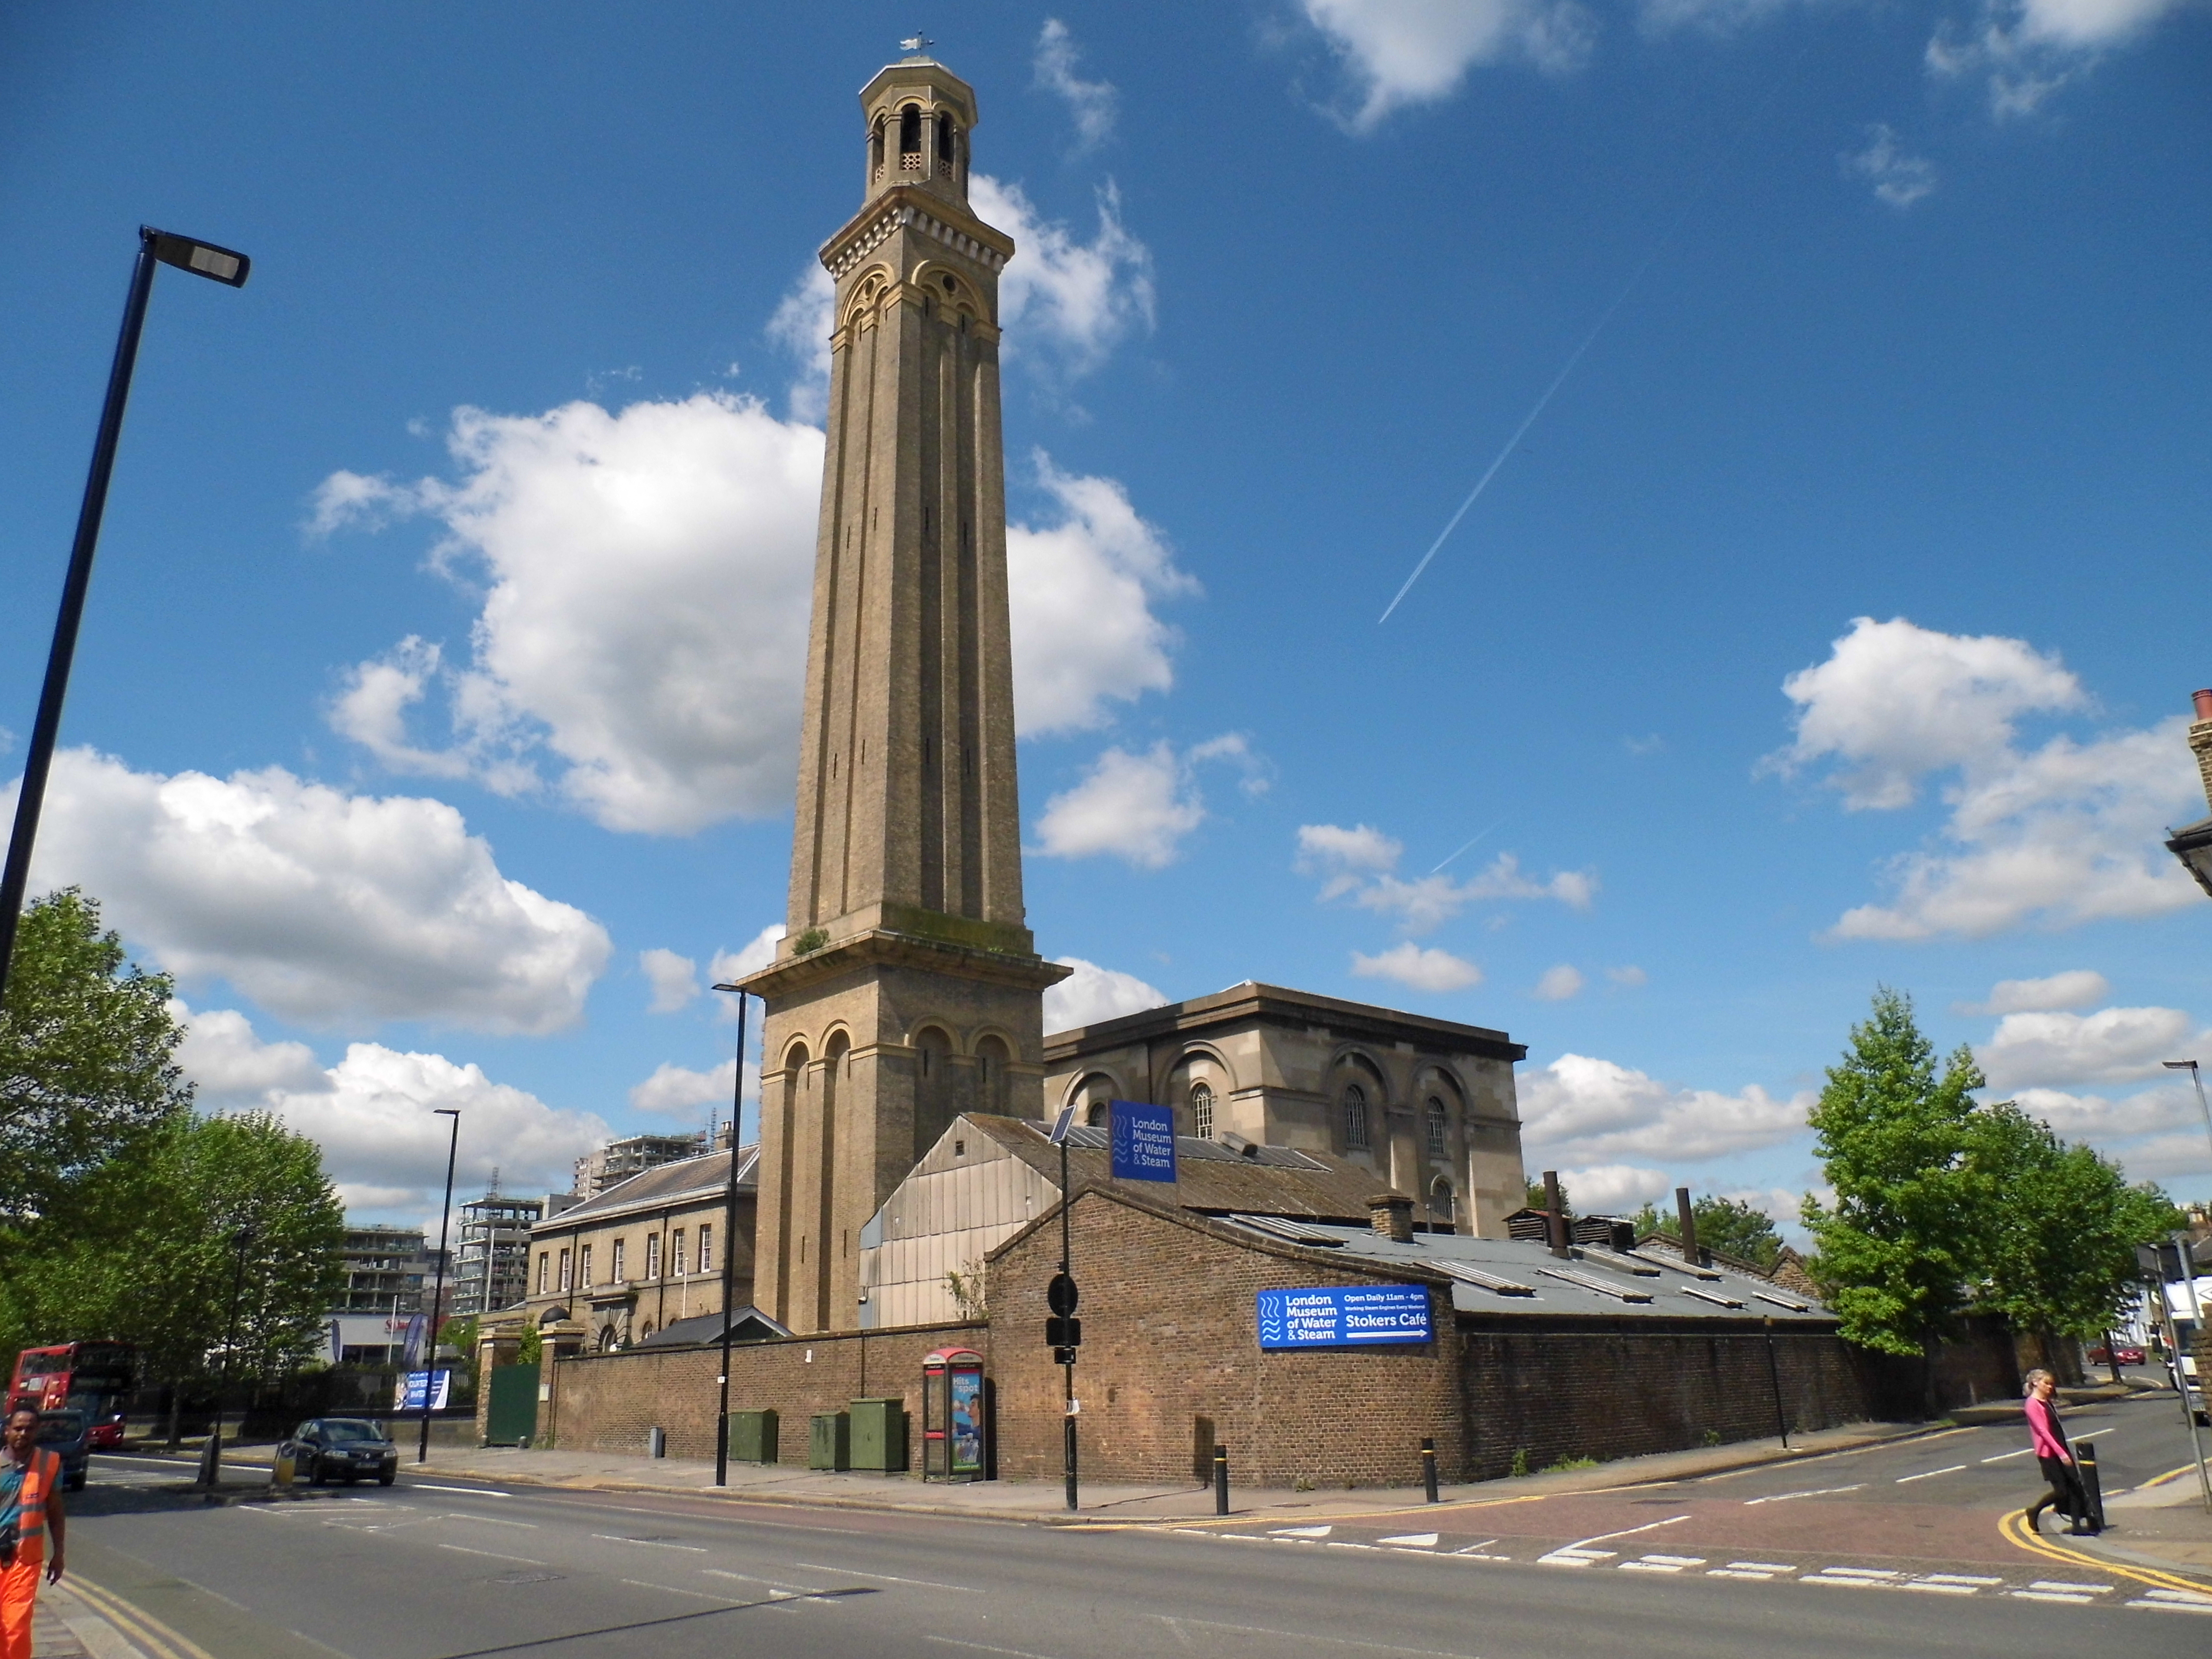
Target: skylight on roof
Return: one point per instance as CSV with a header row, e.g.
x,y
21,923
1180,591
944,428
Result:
x,y
1468,1273
1592,1282
1290,1232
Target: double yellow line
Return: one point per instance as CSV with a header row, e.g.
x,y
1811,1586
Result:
x,y
2016,1531
149,1633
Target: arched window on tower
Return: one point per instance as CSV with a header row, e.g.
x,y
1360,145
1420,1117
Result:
x,y
1355,1119
1439,1126
1201,1111
876,153
945,134
911,138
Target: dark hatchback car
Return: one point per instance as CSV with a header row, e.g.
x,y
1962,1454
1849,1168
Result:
x,y
70,1433
347,1449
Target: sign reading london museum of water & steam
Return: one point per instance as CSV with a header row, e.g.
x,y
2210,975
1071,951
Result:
x,y
1144,1140
1343,1315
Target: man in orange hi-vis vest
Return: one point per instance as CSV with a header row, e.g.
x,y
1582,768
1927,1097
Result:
x,y
30,1514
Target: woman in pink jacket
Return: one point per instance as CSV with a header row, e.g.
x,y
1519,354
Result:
x,y
2048,1436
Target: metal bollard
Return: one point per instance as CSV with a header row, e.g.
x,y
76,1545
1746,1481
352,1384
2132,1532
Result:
x,y
2093,1486
1220,1479
1429,1468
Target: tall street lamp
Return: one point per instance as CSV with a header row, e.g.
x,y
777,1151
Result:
x,y
220,264
438,1294
729,1243
211,1457
2190,1067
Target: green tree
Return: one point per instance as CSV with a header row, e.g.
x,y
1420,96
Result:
x,y
1536,1199
1732,1226
2059,1238
1899,1249
87,1058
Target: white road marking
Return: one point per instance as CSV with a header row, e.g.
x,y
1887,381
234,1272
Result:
x,y
1300,1532
2172,1606
887,1578
650,1543
1734,1572
463,1549
2179,1597
1420,1539
1296,1635
2065,1587
1469,1549
985,1647
488,1521
1925,1587
1625,1532
1817,1491
1864,1572
2001,1456
1761,1566
2051,1595
773,1584
673,1589
1959,1579
1677,1560
1929,1475
467,1491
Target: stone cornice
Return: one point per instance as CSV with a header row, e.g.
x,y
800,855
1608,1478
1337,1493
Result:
x,y
907,208
882,948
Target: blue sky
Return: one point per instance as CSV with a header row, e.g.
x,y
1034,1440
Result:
x,y
434,712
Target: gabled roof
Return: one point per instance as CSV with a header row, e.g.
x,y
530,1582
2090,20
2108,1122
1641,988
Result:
x,y
1211,1178
748,1324
685,1180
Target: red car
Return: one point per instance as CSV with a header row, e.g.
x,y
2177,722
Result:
x,y
2129,1354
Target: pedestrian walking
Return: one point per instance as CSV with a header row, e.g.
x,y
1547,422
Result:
x,y
2048,1436
30,1510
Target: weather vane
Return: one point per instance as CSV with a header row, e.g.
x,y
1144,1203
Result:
x,y
917,42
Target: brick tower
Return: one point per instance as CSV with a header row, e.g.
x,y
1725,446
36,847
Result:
x,y
906,989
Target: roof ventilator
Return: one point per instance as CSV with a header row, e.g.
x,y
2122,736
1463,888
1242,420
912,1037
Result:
x,y
1592,1282
1468,1274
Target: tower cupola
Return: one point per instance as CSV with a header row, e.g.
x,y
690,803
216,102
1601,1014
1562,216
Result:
x,y
919,115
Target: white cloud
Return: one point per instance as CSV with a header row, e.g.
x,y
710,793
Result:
x,y
1091,104
1578,1108
1630,976
2156,1133
1419,970
321,906
1359,860
1139,806
754,955
802,323
1559,983
649,580
645,625
1067,301
2051,1050
2029,49
1402,52
1092,994
2066,833
1618,1189
1080,593
678,1092
373,1114
1899,178
674,979
2077,988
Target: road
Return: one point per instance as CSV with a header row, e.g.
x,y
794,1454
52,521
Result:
x,y
1894,1549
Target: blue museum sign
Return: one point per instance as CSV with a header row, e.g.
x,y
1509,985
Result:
x,y
1343,1315
1143,1141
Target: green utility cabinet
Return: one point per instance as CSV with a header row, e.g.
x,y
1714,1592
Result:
x,y
879,1434
829,1441
752,1437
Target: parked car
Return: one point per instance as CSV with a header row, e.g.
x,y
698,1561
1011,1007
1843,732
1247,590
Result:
x,y
2128,1353
341,1448
69,1431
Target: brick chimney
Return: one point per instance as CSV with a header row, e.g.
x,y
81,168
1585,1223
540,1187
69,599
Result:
x,y
2200,739
1391,1214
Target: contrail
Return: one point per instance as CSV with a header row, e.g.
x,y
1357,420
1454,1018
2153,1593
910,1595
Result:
x,y
1469,843
1522,431
1590,338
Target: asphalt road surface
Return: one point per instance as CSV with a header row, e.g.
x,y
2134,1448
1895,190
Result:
x,y
1894,1550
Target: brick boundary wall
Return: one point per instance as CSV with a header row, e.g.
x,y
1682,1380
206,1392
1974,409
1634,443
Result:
x,y
606,1403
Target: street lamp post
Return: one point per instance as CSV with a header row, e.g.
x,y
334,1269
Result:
x,y
438,1293
155,247
2190,1067
729,1238
211,1457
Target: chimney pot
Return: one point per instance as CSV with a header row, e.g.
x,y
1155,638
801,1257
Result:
x,y
1686,1219
2203,704
1391,1214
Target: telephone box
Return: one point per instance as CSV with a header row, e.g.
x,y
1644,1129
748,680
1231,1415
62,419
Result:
x,y
953,1419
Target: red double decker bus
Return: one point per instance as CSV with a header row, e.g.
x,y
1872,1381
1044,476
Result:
x,y
93,1377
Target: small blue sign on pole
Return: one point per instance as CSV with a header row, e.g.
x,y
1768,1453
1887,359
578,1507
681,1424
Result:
x,y
1144,1140
1343,1315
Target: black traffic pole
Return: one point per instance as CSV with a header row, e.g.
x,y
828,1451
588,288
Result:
x,y
438,1294
155,247
1067,1369
211,1456
1774,1376
1220,1477
1429,1469
729,1255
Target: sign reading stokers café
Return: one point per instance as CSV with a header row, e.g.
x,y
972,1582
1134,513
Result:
x,y
1343,1315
